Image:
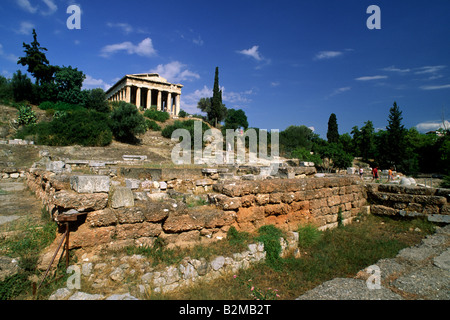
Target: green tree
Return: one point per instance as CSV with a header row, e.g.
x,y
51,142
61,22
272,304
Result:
x,y
127,122
22,88
218,110
95,99
395,147
69,81
334,152
236,119
367,144
6,92
37,62
296,136
356,141
332,133
204,104
305,155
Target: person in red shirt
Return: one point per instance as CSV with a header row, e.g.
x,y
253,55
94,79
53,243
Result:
x,y
375,173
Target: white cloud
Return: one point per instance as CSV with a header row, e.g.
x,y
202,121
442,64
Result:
x,y
25,28
49,8
340,90
144,48
445,86
175,71
429,69
327,55
125,27
431,125
368,78
275,83
236,97
26,5
189,101
394,69
198,41
252,52
90,83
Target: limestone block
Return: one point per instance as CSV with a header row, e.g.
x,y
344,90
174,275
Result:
x,y
132,183
101,218
383,210
121,197
90,183
81,202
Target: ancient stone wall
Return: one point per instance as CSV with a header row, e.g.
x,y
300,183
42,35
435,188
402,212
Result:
x,y
287,203
120,217
409,201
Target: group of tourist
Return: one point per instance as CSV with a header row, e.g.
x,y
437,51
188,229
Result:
x,y
375,176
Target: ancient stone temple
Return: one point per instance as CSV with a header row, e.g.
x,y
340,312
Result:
x,y
146,90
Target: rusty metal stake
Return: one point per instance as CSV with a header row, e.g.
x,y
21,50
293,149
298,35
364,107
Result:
x,y
67,244
54,256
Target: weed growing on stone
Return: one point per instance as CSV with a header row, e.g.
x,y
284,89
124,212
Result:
x,y
270,236
308,235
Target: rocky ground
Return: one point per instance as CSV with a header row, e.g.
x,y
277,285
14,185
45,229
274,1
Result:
x,y
421,272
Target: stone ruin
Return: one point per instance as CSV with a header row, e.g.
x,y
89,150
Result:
x,y
118,205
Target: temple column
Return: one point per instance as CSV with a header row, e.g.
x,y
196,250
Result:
x,y
177,105
158,103
128,94
169,103
138,97
149,98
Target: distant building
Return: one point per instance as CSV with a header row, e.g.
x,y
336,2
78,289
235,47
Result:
x,y
146,90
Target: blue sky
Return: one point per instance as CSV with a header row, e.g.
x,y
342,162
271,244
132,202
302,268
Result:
x,y
282,62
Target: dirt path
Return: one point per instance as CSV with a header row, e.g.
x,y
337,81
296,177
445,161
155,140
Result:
x,y
17,201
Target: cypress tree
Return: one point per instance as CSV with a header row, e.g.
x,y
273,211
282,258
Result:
x,y
395,147
218,109
332,133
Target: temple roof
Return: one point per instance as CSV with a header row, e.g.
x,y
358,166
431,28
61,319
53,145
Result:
x,y
151,77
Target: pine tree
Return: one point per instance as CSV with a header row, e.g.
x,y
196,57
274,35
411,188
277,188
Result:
x,y
332,133
37,62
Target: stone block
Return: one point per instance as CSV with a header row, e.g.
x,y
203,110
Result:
x,y
121,197
57,167
134,157
132,183
90,183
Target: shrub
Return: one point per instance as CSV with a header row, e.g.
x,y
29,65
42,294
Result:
x,y
126,122
152,125
47,105
81,127
183,114
59,106
156,115
26,116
